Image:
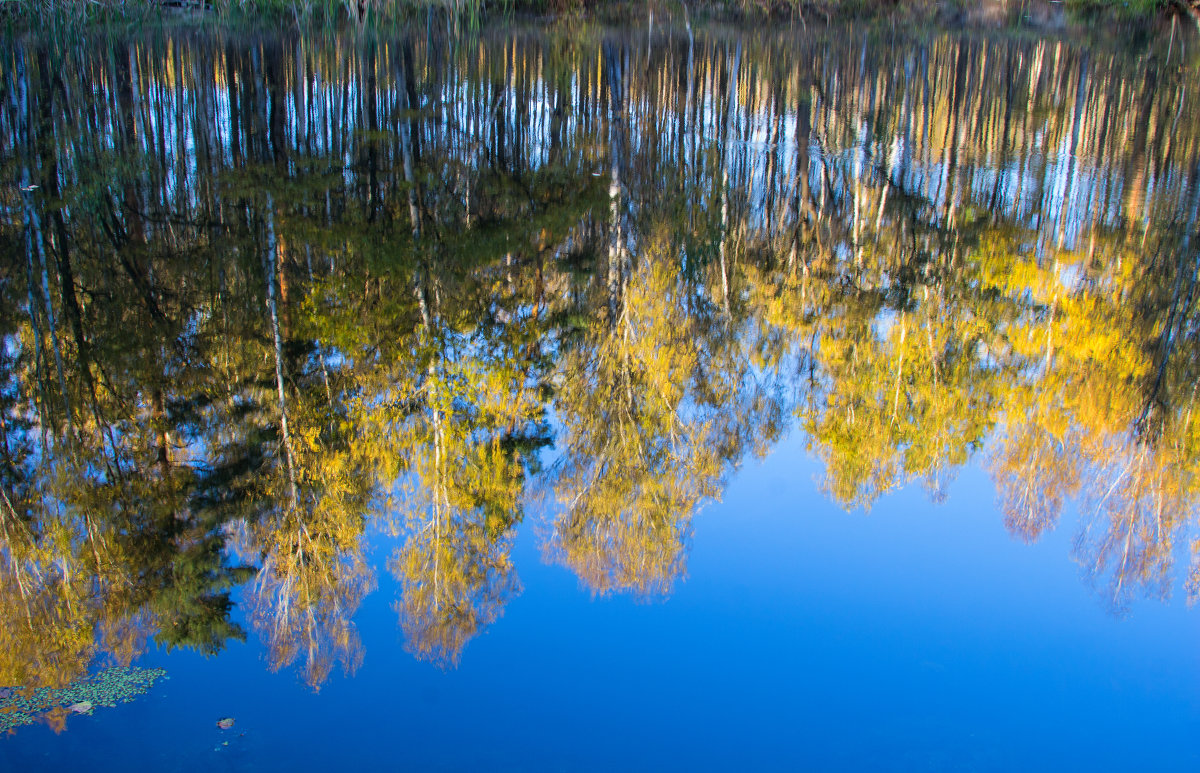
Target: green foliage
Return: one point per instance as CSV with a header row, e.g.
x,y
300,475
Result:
x,y
1122,7
104,689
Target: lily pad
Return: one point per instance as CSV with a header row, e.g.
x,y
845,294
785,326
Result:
x,y
24,705
225,723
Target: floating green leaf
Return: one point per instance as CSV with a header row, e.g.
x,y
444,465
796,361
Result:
x,y
107,687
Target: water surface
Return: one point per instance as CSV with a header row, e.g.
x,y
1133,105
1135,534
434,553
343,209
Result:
x,y
583,398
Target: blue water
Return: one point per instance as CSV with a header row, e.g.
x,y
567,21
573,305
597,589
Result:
x,y
916,637
579,255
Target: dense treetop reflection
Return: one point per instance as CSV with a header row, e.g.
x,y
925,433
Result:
x,y
263,296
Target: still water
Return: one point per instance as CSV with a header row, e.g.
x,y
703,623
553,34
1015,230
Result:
x,y
569,397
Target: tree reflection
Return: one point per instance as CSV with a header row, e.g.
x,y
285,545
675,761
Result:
x,y
635,465
264,298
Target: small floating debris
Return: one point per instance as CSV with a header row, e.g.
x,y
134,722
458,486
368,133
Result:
x,y
22,705
225,723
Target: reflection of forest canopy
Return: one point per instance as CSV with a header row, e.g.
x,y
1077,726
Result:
x,y
259,293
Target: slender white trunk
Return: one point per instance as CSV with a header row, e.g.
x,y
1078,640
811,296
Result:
x,y
273,307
